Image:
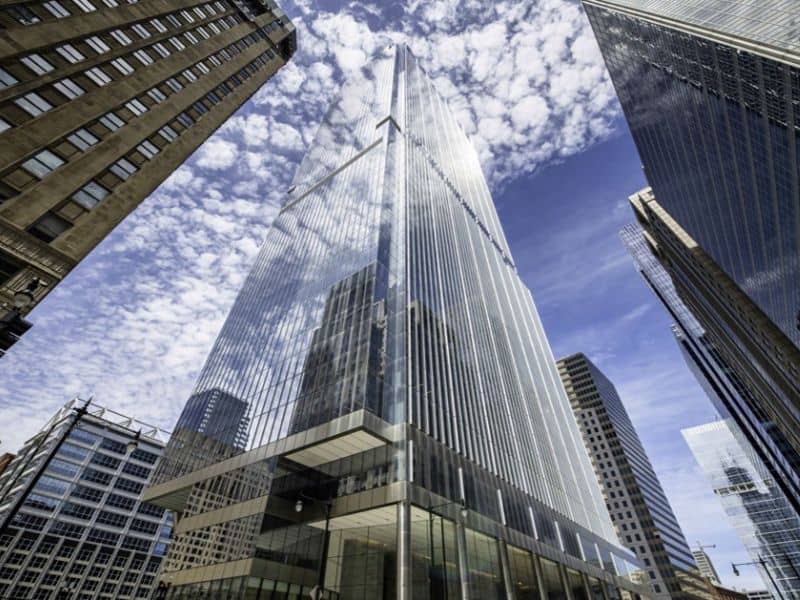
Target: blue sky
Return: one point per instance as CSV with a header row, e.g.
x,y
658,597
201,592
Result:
x,y
134,322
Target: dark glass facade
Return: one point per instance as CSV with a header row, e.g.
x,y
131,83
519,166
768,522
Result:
x,y
395,371
716,123
727,392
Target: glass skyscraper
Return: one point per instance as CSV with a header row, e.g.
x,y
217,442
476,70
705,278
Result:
x,y
711,90
729,395
407,434
766,523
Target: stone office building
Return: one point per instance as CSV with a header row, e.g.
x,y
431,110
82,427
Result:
x,y
100,101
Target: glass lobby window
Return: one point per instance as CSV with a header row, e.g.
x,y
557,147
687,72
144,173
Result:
x,y
362,562
577,585
551,580
523,574
483,564
596,589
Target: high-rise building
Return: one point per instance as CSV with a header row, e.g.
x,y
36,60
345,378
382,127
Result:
x,y
759,595
710,91
703,562
633,494
100,101
721,382
757,508
72,523
407,432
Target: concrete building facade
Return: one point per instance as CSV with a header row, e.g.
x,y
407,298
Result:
x,y
100,101
639,508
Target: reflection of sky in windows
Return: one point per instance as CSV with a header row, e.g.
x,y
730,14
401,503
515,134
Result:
x,y
712,125
386,283
758,510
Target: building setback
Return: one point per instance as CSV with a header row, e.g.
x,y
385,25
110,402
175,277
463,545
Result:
x,y
757,508
407,435
638,506
72,524
100,101
711,94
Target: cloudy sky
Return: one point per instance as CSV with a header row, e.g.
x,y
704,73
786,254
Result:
x,y
133,323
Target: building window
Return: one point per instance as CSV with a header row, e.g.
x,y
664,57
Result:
x,y
168,133
69,88
6,79
82,139
122,65
112,121
85,5
161,49
69,53
56,9
136,107
141,30
156,94
143,57
90,195
22,14
49,227
158,25
148,149
99,76
42,164
123,168
97,44
8,268
37,63
121,37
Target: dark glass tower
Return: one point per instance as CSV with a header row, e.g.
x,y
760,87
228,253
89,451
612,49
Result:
x,y
407,432
729,395
711,92
635,499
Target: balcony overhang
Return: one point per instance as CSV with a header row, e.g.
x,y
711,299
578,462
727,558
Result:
x,y
348,435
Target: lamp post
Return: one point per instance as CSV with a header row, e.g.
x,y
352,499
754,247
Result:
x,y
319,589
78,413
763,565
463,513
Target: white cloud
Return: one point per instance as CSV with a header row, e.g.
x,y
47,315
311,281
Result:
x,y
217,154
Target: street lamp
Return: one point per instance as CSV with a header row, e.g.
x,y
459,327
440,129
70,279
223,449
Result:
x,y
78,413
763,565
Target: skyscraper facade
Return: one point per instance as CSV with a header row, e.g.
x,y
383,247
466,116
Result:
x,y
705,565
710,91
635,499
100,101
72,521
407,432
722,383
757,508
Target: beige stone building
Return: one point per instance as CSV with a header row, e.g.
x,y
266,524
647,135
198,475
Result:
x,y
100,101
